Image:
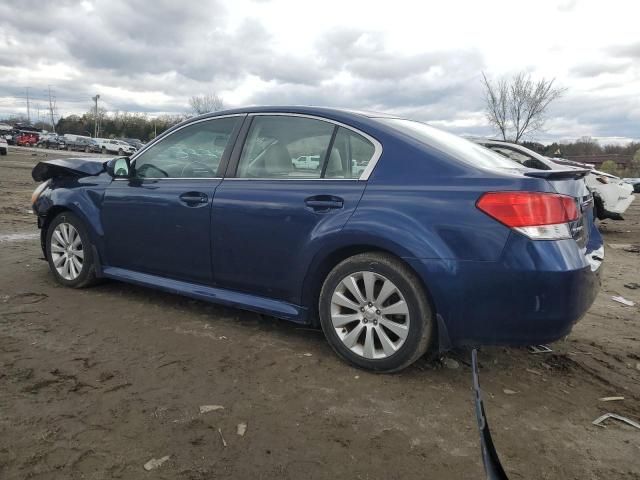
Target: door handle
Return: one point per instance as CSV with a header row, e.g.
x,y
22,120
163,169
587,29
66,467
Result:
x,y
194,198
324,202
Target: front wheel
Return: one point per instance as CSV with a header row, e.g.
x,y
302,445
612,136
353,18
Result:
x,y
375,313
69,251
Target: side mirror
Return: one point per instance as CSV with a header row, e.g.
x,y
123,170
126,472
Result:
x,y
119,167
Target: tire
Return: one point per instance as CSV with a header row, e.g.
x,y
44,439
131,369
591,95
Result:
x,y
369,317
3,151
68,148
598,206
103,150
120,152
56,238
86,149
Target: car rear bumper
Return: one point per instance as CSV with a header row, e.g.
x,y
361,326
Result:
x,y
534,294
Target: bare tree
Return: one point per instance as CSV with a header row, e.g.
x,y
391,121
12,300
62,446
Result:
x,y
205,103
497,98
517,106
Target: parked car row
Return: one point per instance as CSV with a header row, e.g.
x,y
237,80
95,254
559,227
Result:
x,y
612,196
87,144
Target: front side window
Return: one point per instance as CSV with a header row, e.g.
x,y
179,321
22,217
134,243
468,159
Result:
x,y
193,151
285,147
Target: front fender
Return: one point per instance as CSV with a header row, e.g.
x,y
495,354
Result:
x,y
81,196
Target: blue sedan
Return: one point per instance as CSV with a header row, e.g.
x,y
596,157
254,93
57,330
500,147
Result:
x,y
397,240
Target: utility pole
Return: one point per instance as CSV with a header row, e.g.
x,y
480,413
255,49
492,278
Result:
x,y
28,107
95,126
53,123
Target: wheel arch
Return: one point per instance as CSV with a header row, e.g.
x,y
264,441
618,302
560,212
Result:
x,y
323,263
72,207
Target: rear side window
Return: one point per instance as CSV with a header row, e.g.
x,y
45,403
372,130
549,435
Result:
x,y
288,147
285,147
350,155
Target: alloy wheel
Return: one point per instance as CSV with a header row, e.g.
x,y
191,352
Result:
x,y
66,251
370,315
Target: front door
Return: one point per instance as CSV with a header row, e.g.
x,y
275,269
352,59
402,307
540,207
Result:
x,y
159,220
269,217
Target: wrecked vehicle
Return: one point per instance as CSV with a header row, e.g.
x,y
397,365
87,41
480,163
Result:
x,y
612,196
431,242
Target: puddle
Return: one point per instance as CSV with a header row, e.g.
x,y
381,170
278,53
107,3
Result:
x,y
18,237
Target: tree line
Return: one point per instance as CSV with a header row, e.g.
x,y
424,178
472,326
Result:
x,y
125,124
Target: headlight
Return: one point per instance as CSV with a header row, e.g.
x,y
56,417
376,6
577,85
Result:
x,y
36,193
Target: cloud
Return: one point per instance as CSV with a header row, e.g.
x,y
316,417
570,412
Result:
x,y
631,50
413,61
593,69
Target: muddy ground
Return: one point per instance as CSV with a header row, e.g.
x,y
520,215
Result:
x,y
94,383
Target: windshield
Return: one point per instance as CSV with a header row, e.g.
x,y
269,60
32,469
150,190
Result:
x,y
453,145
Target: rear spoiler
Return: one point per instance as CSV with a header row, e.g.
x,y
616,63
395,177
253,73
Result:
x,y
574,173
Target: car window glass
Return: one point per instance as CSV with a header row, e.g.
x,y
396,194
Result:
x,y
285,147
513,155
457,147
191,152
521,157
350,155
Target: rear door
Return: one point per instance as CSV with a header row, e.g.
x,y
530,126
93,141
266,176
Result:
x,y
159,221
270,213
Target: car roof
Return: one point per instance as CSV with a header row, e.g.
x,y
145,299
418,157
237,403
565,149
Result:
x,y
301,109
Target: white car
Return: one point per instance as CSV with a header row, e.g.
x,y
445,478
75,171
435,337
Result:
x,y
611,195
307,162
108,145
4,147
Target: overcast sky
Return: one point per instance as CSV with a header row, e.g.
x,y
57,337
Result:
x,y
419,59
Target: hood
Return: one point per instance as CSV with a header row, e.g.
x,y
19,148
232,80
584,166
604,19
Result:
x,y
68,167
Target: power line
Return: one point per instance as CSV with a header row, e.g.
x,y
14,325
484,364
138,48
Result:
x,y
28,107
51,104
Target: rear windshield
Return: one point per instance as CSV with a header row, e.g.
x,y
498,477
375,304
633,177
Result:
x,y
453,145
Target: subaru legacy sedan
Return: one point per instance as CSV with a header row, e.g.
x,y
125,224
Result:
x,y
402,240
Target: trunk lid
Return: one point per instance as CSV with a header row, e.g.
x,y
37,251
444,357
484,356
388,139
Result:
x,y
566,183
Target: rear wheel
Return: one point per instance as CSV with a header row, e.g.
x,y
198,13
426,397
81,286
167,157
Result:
x,y
120,152
69,251
375,314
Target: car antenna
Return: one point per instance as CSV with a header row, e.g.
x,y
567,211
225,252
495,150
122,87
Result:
x,y
492,466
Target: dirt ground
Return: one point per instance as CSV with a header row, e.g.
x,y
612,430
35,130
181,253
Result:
x,y
94,383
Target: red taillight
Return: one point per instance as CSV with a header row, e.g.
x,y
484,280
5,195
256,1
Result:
x,y
528,209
